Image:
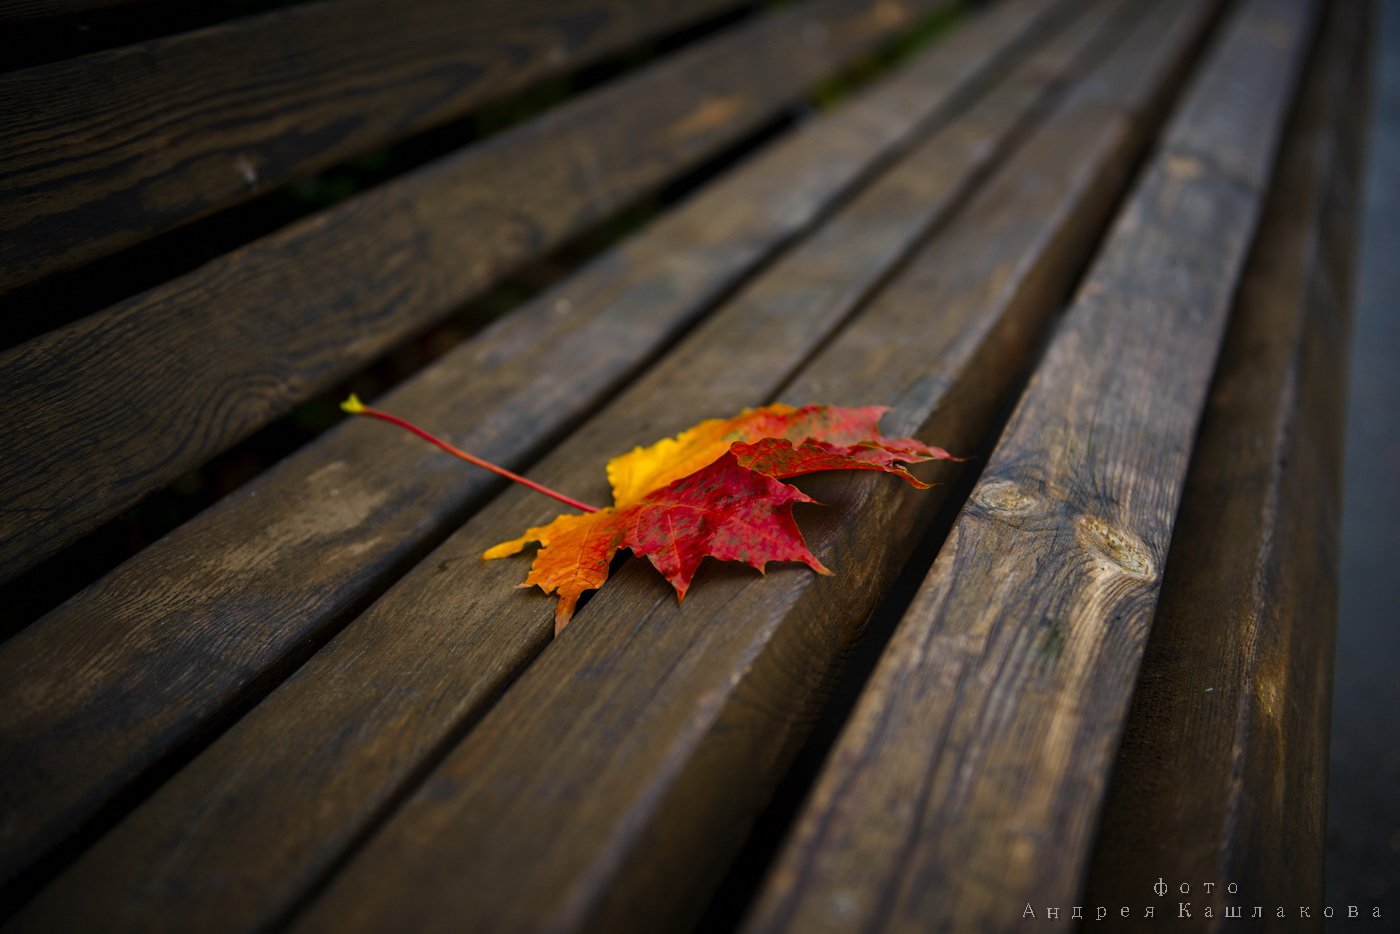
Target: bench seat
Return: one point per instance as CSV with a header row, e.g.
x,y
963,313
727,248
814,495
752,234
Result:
x,y
1105,246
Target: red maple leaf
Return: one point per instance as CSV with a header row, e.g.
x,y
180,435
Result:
x,y
712,491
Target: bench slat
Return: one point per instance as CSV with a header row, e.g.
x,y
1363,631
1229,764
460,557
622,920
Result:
x,y
1233,695
647,722
101,152
112,407
162,650
969,780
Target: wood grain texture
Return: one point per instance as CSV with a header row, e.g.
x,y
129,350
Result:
x,y
101,152
969,780
119,403
1223,769
152,657
609,787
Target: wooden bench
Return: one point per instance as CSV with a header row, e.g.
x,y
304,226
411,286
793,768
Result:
x,y
1095,242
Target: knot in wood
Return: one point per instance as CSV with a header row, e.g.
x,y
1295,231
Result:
x,y
1004,496
1121,548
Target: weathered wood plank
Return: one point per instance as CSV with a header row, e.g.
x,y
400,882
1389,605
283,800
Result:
x,y
283,810
968,782
146,661
105,410
609,786
106,150
1223,769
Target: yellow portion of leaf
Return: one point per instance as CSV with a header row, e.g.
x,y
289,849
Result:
x,y
645,470
514,546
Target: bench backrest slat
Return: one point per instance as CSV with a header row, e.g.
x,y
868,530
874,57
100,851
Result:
x,y
103,151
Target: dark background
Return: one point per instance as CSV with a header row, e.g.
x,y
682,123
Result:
x,y
1363,837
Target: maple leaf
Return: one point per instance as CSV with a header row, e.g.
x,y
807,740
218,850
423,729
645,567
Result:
x,y
723,510
712,490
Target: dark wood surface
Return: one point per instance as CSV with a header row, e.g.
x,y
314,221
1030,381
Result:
x,y
171,645
137,140
1222,773
300,803
609,786
105,410
969,780
315,708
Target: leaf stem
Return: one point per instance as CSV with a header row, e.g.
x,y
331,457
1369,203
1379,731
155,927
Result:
x,y
354,406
